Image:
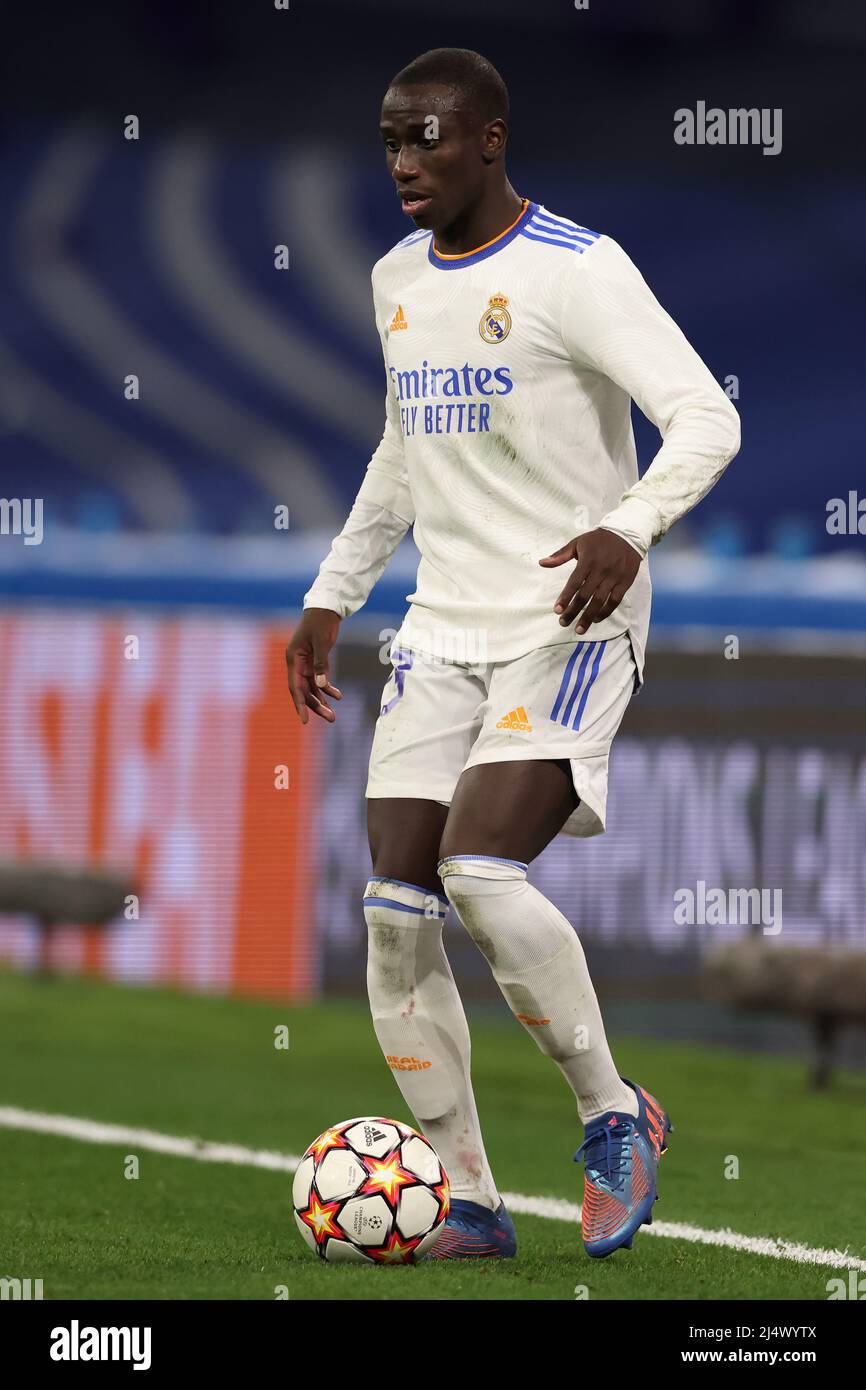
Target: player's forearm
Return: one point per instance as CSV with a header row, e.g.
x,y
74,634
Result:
x,y
357,557
700,440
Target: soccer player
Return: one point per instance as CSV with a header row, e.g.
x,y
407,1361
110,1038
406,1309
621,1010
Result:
x,y
514,342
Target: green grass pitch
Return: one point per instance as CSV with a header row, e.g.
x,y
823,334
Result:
x,y
207,1067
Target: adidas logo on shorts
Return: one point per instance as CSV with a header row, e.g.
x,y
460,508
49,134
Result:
x,y
516,720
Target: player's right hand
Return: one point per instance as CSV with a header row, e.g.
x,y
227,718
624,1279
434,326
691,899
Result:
x,y
307,662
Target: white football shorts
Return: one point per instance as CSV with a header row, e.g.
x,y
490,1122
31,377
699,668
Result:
x,y
438,717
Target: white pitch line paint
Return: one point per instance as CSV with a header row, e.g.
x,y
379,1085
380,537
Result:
x,y
549,1208
95,1132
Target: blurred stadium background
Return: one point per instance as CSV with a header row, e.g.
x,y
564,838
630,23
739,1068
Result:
x,y
262,388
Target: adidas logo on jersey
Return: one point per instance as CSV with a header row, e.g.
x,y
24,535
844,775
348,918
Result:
x,y
517,720
398,321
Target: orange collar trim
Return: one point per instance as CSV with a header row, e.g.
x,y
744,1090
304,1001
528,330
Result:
x,y
460,255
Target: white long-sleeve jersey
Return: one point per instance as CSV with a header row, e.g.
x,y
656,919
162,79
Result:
x,y
510,375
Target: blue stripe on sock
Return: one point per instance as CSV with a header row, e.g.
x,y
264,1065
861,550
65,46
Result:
x,y
402,907
489,858
425,892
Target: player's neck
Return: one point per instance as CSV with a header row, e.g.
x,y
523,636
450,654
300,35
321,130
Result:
x,y
479,224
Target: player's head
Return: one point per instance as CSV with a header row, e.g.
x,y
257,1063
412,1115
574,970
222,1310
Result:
x,y
444,124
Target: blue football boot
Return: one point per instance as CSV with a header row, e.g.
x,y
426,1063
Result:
x,y
475,1232
622,1154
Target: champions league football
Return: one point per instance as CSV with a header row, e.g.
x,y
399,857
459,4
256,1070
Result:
x,y
372,1191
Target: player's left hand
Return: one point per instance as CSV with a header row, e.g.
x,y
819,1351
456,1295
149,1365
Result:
x,y
605,571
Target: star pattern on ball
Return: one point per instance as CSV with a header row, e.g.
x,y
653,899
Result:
x,y
442,1192
395,1251
387,1175
331,1139
321,1218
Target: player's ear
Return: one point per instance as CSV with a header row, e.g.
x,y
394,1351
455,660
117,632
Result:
x,y
495,136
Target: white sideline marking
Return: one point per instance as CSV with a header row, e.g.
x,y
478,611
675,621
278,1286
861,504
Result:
x,y
551,1208
95,1132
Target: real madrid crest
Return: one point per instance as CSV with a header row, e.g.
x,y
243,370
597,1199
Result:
x,y
495,324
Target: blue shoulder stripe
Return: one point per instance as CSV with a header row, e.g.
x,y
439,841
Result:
x,y
563,228
412,237
565,223
559,231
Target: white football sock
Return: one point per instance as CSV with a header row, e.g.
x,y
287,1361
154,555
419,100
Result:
x,y
419,1021
538,963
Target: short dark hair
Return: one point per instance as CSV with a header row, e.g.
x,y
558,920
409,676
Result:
x,y
469,73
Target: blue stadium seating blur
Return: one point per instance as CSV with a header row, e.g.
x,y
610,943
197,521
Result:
x,y
259,386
